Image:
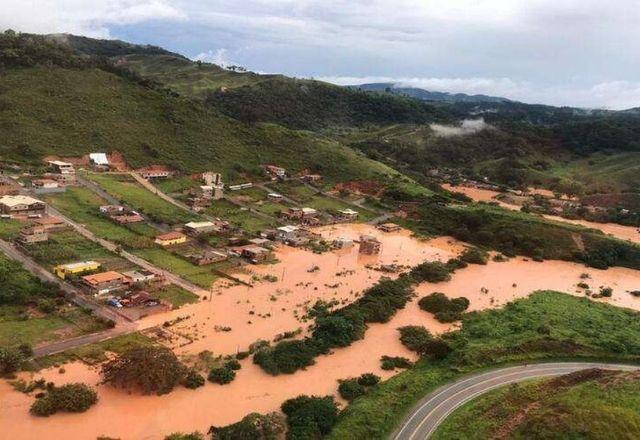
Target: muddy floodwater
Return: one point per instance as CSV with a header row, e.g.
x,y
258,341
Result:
x,y
270,308
485,195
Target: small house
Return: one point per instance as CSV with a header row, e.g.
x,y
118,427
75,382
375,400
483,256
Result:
x,y
51,223
155,172
348,214
342,243
140,276
256,254
311,178
389,227
61,167
105,282
99,161
276,171
275,197
260,241
199,228
33,234
285,233
45,184
369,245
78,268
171,238
208,257
21,205
127,218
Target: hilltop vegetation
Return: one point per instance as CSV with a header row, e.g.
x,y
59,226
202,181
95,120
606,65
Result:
x,y
590,404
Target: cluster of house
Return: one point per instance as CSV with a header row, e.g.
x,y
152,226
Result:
x,y
120,214
211,189
279,173
192,229
88,276
310,216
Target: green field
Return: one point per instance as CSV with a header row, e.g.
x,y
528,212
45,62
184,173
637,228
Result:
x,y
591,404
68,247
238,217
130,192
10,228
176,295
545,326
200,275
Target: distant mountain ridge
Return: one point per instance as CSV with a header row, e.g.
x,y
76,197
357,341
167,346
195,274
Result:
x,y
427,95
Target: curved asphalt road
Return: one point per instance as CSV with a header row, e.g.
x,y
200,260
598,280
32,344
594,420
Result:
x,y
433,409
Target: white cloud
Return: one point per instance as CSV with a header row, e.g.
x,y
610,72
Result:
x,y
91,18
578,52
468,126
219,57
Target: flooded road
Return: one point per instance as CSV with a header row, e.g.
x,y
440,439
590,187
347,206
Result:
x,y
131,416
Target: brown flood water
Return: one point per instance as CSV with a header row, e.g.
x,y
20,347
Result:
x,y
131,416
484,195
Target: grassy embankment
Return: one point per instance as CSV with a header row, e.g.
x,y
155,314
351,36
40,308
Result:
x,y
592,404
545,326
109,112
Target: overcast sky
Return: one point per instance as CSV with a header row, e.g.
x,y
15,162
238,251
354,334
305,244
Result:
x,y
563,52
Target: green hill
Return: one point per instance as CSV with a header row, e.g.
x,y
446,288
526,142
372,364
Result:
x,y
295,103
54,101
589,404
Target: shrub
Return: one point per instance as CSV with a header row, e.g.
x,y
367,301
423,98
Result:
x,y
433,272
252,427
368,379
444,309
193,380
436,349
338,330
310,416
606,292
474,255
149,369
287,356
349,389
221,375
180,436
393,362
414,337
73,397
233,364
10,360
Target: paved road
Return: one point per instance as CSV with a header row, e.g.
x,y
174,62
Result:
x,y
434,409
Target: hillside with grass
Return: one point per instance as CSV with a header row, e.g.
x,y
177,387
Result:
x,y
56,102
589,404
294,103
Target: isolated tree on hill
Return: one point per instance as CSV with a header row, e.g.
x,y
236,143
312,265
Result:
x,y
149,369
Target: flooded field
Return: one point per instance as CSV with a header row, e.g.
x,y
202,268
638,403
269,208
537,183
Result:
x,y
484,195
131,416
